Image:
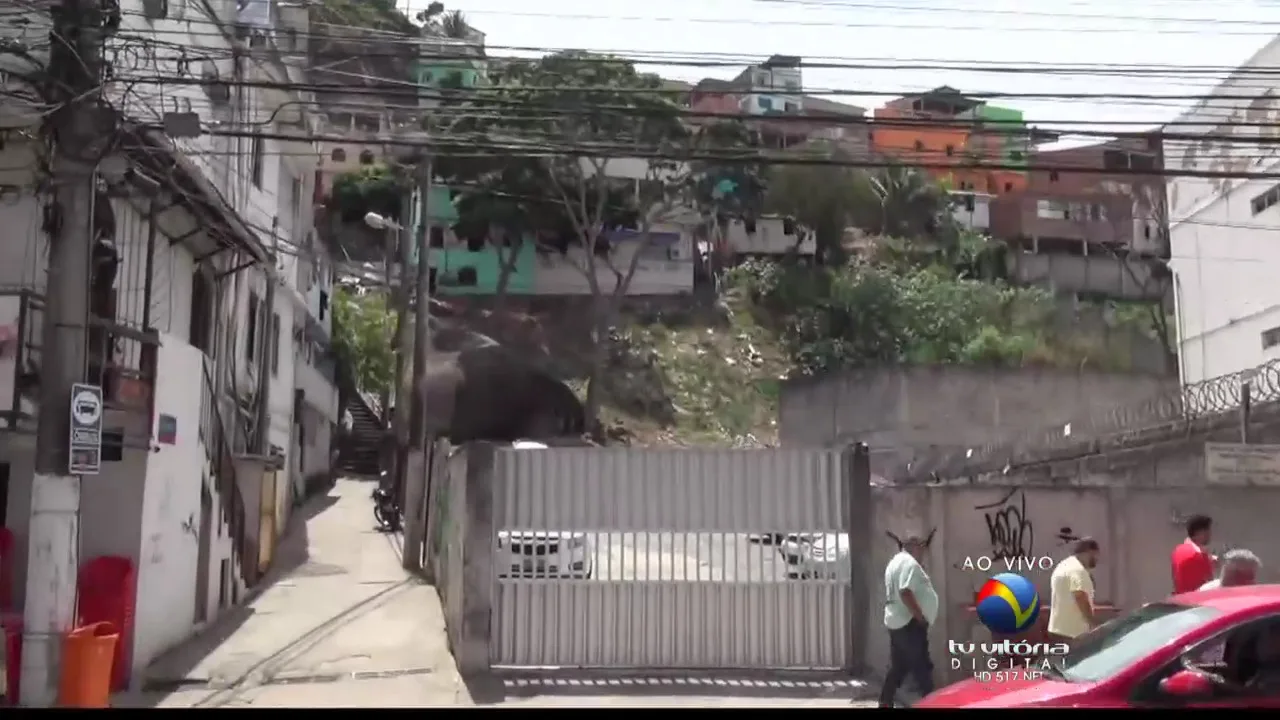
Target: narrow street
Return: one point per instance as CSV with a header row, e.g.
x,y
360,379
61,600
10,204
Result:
x,y
339,624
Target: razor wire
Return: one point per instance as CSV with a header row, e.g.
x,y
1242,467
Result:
x,y
1121,424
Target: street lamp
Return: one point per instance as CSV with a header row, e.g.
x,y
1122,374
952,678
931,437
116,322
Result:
x,y
377,222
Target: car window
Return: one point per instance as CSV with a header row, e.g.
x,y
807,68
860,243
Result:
x,y
1114,646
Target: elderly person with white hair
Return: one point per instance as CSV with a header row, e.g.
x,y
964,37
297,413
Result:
x,y
1238,567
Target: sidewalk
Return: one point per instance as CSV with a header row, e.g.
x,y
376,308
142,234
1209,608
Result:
x,y
339,624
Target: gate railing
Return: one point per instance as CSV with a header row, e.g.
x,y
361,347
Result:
x,y
629,558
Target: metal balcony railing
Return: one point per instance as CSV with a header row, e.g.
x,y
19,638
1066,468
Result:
x,y
121,360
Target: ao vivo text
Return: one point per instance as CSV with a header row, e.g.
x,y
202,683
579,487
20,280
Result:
x,y
1005,660
1023,563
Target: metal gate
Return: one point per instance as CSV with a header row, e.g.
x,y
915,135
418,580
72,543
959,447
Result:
x,y
636,558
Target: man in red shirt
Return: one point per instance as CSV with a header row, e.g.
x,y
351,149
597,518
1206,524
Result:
x,y
1192,562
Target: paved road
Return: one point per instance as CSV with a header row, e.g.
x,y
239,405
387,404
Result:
x,y
684,556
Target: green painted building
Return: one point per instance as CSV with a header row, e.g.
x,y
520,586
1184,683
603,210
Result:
x,y
460,270
449,63
1005,131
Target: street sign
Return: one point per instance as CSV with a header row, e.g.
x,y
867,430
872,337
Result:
x,y
1238,464
85,456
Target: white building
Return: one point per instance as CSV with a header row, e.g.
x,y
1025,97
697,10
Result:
x,y
772,235
1225,233
193,223
971,209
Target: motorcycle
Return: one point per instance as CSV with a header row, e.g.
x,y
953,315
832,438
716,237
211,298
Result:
x,y
386,510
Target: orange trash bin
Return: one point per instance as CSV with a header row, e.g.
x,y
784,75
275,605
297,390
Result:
x,y
87,655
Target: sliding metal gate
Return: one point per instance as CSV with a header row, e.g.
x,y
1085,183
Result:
x,y
632,558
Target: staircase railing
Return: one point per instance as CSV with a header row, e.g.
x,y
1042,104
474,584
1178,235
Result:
x,y
214,433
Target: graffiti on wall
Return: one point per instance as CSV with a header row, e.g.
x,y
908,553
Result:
x,y
1009,529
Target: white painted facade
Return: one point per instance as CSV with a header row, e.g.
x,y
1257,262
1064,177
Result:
x,y
972,210
769,238
665,268
1224,235
148,506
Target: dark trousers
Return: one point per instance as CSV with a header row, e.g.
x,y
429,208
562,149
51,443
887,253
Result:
x,y
908,657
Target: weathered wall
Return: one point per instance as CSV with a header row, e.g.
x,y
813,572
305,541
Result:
x,y
1136,511
901,412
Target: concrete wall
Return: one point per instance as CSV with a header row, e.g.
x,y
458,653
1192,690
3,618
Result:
x,y
903,411
167,567
1137,527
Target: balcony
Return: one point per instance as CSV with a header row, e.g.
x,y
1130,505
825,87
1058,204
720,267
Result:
x,y
122,361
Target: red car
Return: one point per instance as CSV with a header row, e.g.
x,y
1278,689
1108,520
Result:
x,y
1216,648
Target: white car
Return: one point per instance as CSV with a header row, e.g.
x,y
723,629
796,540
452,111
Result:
x,y
815,555
543,554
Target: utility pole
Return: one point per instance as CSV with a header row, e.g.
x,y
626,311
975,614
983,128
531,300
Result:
x,y
400,420
416,481
388,274
76,68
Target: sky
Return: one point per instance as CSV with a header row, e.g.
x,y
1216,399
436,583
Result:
x,y
1163,35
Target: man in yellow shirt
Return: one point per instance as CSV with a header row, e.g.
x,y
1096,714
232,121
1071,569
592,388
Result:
x,y
1071,611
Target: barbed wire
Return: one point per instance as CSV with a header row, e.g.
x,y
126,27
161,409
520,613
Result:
x,y
1124,425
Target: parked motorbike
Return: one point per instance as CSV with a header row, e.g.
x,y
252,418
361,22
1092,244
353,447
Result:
x,y
385,509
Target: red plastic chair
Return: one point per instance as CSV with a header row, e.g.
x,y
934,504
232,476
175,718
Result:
x,y
108,593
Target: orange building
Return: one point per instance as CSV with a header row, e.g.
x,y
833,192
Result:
x,y
959,141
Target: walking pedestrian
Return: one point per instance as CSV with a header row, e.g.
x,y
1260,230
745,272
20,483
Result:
x,y
1071,612
910,607
1239,567
1191,561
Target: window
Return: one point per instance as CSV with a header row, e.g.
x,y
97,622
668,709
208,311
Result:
x,y
1016,156
1053,176
791,107
1097,212
324,304
1114,646
919,145
792,85
338,155
951,150
1115,160
1266,199
1052,210
766,103
1008,187
436,239
467,277
295,197
1270,338
251,341
257,167
366,157
1142,162
275,344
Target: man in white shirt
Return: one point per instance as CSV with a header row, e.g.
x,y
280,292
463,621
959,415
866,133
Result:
x,y
910,607
1239,567
1071,592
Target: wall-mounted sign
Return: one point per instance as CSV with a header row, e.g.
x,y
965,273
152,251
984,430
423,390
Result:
x,y
166,429
85,448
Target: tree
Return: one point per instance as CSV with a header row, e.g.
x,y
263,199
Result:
x,y
824,199
375,188
362,325
563,124
910,205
